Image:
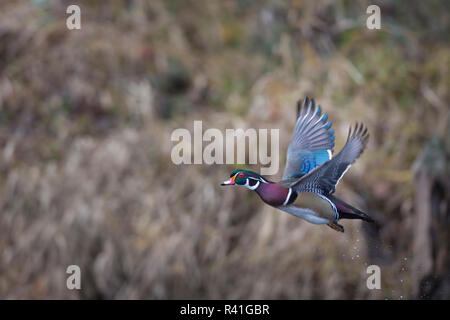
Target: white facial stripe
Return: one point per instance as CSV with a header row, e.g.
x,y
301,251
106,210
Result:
x,y
264,180
248,186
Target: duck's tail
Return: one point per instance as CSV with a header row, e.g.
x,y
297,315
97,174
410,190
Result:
x,y
346,211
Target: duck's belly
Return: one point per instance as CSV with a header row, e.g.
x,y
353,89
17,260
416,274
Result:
x,y
305,214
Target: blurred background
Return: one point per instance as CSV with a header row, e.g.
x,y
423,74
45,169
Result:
x,y
86,176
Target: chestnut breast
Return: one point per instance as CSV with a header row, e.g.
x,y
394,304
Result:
x,y
272,193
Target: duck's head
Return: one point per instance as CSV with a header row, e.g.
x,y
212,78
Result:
x,y
249,179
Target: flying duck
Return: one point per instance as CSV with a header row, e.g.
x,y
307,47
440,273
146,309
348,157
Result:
x,y
311,173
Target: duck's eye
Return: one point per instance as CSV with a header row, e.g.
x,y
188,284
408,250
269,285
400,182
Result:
x,y
241,175
252,182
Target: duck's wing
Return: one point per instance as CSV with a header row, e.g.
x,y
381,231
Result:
x,y
312,143
324,179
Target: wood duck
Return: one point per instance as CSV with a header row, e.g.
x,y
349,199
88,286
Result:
x,y
311,174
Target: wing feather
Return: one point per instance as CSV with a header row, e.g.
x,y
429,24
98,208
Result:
x,y
312,143
324,179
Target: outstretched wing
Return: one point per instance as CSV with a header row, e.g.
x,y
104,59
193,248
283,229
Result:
x,y
325,178
312,143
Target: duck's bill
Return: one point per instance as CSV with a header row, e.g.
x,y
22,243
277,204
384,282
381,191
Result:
x,y
228,182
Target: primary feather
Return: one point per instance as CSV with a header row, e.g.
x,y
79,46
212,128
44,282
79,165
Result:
x,y
312,143
324,179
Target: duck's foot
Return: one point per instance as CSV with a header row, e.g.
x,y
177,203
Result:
x,y
336,226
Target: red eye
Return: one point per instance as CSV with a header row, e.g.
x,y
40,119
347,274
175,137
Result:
x,y
241,175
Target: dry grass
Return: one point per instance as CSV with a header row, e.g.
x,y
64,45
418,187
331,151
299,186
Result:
x,y
86,117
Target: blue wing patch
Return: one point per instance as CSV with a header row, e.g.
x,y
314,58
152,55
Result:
x,y
314,159
312,143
